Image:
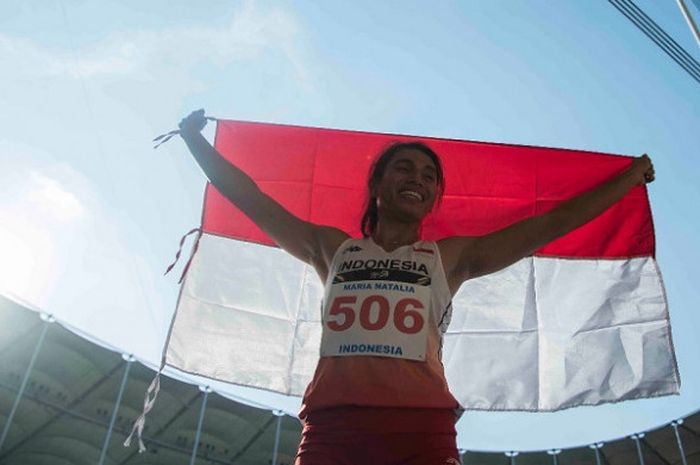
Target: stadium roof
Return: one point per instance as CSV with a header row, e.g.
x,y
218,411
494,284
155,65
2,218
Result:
x,y
64,413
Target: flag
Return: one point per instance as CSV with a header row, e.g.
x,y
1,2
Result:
x,y
581,322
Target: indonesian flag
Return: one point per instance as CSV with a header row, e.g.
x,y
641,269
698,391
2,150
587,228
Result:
x,y
582,322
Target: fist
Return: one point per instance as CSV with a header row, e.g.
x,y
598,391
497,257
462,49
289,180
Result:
x,y
643,169
193,123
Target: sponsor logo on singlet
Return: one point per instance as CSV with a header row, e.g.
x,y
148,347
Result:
x,y
402,271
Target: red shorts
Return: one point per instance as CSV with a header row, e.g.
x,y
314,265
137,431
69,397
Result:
x,y
379,436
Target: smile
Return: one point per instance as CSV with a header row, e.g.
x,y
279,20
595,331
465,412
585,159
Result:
x,y
412,194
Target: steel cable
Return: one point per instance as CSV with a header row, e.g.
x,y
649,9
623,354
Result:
x,y
659,36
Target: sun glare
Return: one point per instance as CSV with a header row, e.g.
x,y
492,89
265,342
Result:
x,y
18,264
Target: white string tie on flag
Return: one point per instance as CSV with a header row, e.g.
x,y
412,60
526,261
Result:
x,y
140,422
179,252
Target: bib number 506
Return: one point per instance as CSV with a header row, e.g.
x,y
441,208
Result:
x,y
374,314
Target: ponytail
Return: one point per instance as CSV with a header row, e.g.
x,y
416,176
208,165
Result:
x,y
370,218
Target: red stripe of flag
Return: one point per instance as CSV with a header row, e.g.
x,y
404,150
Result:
x,y
320,175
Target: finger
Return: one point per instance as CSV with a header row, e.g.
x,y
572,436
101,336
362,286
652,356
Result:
x,y
647,160
193,115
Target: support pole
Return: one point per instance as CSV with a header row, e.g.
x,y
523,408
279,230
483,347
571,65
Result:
x,y
689,19
462,453
554,453
636,438
105,445
512,454
675,424
47,320
596,448
206,390
279,415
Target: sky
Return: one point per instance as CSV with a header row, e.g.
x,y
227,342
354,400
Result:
x,y
90,214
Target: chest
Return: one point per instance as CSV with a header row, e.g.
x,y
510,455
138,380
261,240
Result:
x,y
382,303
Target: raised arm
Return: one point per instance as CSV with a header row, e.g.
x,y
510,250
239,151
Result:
x,y
468,257
308,242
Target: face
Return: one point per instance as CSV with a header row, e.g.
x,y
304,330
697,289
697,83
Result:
x,y
409,185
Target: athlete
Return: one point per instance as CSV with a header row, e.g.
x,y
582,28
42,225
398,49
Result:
x,y
379,394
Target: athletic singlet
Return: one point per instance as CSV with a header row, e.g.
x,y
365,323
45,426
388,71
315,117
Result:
x,y
384,315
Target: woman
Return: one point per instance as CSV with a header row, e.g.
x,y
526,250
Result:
x,y
379,394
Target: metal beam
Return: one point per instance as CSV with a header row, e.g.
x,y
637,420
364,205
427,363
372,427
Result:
x,y
679,443
637,438
252,440
103,454
119,430
279,415
205,394
15,405
655,452
512,454
60,411
164,427
689,19
595,447
690,430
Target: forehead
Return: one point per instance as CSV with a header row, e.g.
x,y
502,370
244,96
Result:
x,y
415,157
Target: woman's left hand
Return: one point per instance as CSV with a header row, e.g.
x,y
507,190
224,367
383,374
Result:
x,y
643,169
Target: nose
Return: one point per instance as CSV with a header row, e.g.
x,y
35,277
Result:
x,y
415,178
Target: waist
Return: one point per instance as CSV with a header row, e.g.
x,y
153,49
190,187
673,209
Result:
x,y
374,420
377,382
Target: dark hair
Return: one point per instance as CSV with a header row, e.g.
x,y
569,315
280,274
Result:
x,y
370,217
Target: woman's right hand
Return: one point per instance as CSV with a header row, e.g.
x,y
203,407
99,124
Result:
x,y
642,170
193,123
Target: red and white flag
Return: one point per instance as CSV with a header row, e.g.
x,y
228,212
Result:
x,y
582,322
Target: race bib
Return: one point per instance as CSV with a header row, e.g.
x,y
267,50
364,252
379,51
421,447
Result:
x,y
379,313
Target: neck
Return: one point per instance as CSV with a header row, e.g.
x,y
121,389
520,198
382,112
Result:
x,y
390,235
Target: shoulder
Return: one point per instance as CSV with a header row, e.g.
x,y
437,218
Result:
x,y
453,246
333,234
455,252
329,239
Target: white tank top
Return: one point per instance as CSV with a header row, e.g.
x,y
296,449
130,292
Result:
x,y
384,316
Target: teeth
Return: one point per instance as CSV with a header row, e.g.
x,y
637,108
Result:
x,y
413,194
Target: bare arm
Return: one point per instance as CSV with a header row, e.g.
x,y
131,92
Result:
x,y
308,242
468,257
